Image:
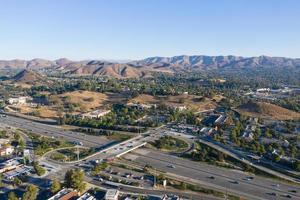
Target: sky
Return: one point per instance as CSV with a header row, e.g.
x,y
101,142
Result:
x,y
136,29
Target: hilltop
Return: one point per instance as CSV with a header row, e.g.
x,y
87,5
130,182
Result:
x,y
267,111
146,67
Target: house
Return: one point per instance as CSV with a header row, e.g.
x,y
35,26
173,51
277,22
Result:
x,y
179,108
18,100
248,134
6,150
141,106
94,114
64,194
111,194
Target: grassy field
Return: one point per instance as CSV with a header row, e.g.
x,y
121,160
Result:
x,y
71,154
170,144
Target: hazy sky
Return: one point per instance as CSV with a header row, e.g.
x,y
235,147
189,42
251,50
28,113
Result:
x,y
133,29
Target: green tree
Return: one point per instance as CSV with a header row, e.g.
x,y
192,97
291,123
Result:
x,y
31,193
12,196
55,186
17,181
38,169
1,178
74,179
297,165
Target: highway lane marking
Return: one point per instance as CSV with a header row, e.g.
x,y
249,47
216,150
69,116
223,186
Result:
x,y
70,134
195,169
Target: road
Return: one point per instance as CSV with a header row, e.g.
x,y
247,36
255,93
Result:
x,y
242,158
53,131
257,189
158,192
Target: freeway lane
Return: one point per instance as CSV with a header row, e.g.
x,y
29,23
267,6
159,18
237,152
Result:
x,y
259,187
53,131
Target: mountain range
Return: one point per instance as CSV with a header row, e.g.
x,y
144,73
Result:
x,y
146,67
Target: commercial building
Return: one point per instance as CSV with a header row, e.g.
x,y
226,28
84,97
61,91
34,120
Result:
x,y
111,194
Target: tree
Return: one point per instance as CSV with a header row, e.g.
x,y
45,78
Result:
x,y
17,181
297,165
31,193
38,169
21,145
1,178
55,186
12,196
74,179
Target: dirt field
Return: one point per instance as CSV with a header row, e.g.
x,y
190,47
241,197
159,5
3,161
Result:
x,y
85,100
267,111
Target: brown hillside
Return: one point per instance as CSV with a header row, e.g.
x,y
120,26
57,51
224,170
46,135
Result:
x,y
27,76
268,111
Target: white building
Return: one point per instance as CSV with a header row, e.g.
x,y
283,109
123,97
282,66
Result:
x,y
95,114
6,150
18,100
111,194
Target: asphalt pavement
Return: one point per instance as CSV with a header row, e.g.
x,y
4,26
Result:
x,y
225,179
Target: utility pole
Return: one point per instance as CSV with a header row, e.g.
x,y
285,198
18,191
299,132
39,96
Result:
x,y
77,153
154,181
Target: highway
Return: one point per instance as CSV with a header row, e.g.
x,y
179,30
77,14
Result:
x,y
257,189
53,131
242,158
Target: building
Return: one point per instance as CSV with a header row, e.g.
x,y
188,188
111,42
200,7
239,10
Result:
x,y
141,106
18,171
64,194
179,108
248,134
18,100
6,150
207,130
86,196
9,165
220,120
111,194
94,114
4,142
